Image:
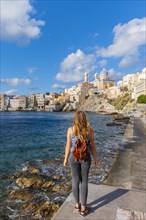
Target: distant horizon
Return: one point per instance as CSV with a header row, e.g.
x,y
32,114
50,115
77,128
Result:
x,y
47,46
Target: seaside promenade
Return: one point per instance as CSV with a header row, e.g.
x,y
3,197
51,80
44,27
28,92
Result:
x,y
123,194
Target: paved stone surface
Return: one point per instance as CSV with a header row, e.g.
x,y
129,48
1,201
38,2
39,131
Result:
x,y
127,214
129,171
126,187
104,202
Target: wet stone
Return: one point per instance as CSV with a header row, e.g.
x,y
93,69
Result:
x,y
20,195
41,210
34,182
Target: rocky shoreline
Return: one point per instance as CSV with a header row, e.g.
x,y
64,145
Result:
x,y
38,190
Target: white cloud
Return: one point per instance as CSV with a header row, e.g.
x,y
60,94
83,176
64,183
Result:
x,y
113,74
32,70
15,81
128,38
74,66
102,63
58,86
129,60
11,92
17,23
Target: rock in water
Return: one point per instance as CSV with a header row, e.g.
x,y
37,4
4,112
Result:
x,y
41,210
34,182
20,195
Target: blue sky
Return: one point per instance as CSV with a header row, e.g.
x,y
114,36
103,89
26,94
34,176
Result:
x,y
48,45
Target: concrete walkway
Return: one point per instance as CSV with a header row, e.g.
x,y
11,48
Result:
x,y
126,184
104,202
129,171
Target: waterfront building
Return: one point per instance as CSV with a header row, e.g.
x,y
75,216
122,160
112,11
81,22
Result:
x,y
3,103
40,99
32,101
22,102
47,99
14,103
54,106
53,95
39,96
61,98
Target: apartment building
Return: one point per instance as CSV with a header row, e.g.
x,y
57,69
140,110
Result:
x,y
2,101
14,103
140,89
22,102
32,101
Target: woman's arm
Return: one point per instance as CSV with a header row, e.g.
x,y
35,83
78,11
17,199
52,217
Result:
x,y
93,148
68,145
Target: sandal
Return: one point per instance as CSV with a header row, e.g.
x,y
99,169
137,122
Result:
x,y
85,212
78,209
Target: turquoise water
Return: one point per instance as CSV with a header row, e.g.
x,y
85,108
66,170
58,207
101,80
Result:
x,y
31,136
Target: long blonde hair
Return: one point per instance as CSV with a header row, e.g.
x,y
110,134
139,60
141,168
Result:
x,y
81,125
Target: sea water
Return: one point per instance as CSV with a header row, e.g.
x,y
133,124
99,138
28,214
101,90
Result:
x,y
32,136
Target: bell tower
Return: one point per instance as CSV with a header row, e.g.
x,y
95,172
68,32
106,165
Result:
x,y
86,77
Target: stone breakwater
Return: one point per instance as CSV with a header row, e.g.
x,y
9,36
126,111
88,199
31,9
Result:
x,y
40,188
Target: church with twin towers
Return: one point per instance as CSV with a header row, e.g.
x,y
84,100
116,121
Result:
x,y
101,81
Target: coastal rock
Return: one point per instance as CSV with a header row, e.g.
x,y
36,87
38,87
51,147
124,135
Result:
x,y
113,124
32,169
62,187
68,108
20,195
41,210
97,103
56,188
55,177
121,118
34,182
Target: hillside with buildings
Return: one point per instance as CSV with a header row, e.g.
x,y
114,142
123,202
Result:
x,y
101,94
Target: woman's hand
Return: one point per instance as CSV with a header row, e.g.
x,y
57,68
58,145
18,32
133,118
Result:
x,y
96,162
65,163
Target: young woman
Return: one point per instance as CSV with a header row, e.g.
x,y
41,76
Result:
x,y
80,169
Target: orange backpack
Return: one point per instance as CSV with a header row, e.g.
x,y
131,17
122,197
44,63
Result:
x,y
80,150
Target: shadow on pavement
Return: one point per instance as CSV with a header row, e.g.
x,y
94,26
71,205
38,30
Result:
x,y
107,199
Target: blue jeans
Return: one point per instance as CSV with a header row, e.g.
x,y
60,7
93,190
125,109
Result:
x,y
80,171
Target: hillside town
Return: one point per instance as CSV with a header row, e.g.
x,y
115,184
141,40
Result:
x,y
73,97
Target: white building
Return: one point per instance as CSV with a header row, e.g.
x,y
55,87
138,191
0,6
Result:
x,y
142,75
140,89
31,100
120,84
140,86
14,103
130,81
40,99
